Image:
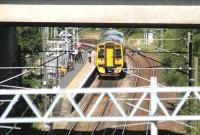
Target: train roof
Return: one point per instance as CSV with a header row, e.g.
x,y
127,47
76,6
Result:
x,y
112,32
112,35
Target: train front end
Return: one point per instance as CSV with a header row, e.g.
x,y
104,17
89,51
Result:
x,y
109,58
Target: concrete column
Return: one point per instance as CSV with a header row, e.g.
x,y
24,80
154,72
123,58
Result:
x,y
9,55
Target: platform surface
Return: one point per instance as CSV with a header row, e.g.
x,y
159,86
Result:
x,y
77,82
65,81
80,79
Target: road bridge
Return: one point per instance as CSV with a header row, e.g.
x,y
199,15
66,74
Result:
x,y
132,12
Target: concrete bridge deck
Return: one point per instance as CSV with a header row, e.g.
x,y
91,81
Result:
x,y
101,14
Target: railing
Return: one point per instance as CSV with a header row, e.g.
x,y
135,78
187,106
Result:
x,y
155,102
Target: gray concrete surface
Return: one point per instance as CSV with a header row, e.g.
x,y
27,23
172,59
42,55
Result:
x,y
104,2
64,81
101,14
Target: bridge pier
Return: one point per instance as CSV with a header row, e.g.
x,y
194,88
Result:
x,y
9,55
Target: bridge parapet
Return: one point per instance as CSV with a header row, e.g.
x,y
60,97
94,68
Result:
x,y
89,14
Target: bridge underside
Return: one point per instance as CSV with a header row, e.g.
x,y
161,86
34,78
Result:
x,y
101,14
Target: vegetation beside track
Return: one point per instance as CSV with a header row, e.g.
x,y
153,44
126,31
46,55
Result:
x,y
29,40
175,78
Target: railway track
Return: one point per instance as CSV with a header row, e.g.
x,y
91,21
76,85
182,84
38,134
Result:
x,y
86,106
106,106
143,74
134,64
152,74
90,98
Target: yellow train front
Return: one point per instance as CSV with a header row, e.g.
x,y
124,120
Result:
x,y
110,54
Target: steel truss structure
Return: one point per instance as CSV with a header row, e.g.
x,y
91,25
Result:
x,y
156,103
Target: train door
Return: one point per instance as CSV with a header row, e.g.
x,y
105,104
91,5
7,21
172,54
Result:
x,y
109,56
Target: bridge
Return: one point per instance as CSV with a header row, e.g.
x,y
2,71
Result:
x,y
135,12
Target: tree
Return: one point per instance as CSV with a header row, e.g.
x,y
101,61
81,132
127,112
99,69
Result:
x,y
172,77
29,40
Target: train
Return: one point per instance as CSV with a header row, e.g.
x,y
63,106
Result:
x,y
110,53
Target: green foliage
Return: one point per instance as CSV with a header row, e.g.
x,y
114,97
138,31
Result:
x,y
31,80
196,107
173,77
196,42
196,46
128,32
178,79
29,40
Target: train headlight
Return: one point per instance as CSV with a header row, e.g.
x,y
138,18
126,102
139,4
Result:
x,y
118,59
117,70
101,61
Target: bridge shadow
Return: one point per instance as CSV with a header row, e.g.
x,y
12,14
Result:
x,y
105,132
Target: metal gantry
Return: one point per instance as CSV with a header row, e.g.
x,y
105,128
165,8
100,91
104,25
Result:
x,y
155,102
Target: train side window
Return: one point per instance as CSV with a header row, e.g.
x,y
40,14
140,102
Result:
x,y
101,53
118,53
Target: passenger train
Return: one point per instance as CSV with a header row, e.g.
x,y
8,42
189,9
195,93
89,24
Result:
x,y
110,53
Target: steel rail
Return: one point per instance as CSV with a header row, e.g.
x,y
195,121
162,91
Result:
x,y
102,113
132,95
164,64
84,109
153,73
104,110
138,69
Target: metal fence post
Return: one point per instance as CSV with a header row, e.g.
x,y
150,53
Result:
x,y
153,104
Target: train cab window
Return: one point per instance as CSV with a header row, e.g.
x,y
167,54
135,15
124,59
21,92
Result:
x,y
118,53
101,53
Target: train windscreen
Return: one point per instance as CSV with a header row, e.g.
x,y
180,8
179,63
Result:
x,y
101,53
118,53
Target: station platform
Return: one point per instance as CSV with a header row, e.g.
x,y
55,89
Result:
x,y
74,79
79,75
80,79
77,80
66,80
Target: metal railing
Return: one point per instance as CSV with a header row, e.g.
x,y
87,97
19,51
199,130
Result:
x,y
155,102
